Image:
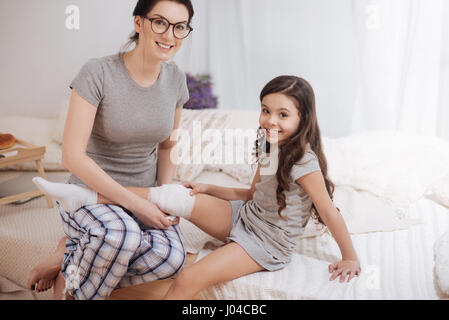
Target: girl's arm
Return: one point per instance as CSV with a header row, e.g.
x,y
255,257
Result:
x,y
166,166
225,193
78,128
315,186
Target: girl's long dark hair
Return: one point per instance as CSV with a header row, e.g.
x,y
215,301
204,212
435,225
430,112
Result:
x,y
144,6
308,131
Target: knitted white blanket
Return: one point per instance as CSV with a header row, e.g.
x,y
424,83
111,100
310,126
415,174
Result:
x,y
395,265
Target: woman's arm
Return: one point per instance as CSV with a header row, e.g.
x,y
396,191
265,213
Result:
x,y
78,128
166,161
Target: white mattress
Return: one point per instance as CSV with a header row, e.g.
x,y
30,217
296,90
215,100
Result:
x,y
395,265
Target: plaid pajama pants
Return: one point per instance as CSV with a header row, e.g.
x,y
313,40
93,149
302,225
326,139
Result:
x,y
109,248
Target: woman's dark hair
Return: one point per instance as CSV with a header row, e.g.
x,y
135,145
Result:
x,y
144,6
308,131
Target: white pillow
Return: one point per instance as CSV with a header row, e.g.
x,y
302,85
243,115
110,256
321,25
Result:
x,y
58,130
191,120
239,156
439,192
395,166
363,212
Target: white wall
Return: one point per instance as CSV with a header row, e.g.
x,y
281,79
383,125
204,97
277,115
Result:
x,y
40,56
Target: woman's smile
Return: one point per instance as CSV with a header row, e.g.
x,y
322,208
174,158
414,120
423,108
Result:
x,y
164,47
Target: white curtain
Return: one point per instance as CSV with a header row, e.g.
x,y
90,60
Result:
x,y
374,64
399,52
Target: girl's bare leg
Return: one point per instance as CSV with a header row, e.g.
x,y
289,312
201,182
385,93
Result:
x,y
43,275
224,264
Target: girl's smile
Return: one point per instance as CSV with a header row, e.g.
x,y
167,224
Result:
x,y
279,117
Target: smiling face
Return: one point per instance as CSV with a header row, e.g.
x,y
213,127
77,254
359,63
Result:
x,y
279,116
163,46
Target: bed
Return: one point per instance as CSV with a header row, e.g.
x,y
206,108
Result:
x,y
398,216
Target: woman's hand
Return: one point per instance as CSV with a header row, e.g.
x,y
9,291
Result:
x,y
196,187
150,215
344,268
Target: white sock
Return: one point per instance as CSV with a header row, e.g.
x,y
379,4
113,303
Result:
x,y
174,199
70,196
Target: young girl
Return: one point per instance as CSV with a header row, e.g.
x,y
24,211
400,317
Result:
x,y
261,225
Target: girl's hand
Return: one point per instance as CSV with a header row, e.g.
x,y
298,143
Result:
x,y
344,268
196,187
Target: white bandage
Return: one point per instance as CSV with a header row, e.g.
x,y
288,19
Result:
x,y
173,199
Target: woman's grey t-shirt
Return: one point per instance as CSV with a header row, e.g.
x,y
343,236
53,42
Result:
x,y
269,239
131,120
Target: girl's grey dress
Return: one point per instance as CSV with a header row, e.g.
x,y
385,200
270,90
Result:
x,y
257,226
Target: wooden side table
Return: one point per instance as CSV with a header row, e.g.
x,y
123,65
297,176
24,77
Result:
x,y
24,151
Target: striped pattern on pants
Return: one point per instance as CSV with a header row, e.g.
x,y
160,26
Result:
x,y
109,248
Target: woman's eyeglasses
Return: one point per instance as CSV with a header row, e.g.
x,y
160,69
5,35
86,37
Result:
x,y
160,25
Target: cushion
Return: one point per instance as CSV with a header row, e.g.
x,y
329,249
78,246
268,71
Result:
x,y
58,128
193,141
365,212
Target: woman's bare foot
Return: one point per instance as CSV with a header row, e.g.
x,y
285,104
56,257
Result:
x,y
43,276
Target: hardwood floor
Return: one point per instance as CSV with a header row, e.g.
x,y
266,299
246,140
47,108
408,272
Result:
x,y
149,291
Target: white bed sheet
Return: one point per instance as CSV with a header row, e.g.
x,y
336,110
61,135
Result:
x,y
395,265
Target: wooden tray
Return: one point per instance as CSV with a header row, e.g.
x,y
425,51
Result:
x,y
24,151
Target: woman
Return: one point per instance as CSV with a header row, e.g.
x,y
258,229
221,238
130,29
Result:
x,y
122,111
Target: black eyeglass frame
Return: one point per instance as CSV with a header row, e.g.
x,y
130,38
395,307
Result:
x,y
169,25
